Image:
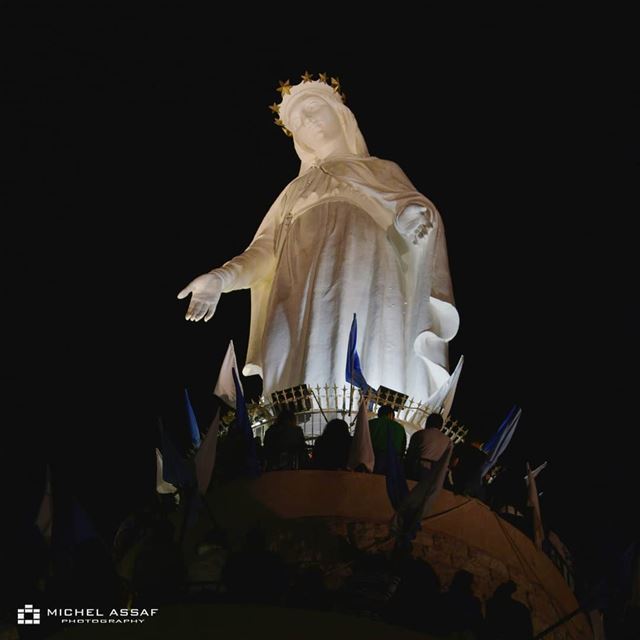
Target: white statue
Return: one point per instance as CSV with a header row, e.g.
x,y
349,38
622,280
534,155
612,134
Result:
x,y
349,235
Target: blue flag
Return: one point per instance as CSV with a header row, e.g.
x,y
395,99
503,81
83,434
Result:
x,y
71,524
353,372
194,430
495,446
71,528
250,465
397,487
175,468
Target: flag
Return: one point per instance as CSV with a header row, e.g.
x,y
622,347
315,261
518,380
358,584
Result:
x,y
442,399
361,451
225,387
534,503
176,470
44,519
353,371
495,446
206,455
535,472
71,525
397,487
250,464
419,502
162,486
192,506
194,430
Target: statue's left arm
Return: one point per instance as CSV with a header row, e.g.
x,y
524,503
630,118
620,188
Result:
x,y
418,222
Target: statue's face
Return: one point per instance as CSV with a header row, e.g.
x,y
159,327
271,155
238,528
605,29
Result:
x,y
315,124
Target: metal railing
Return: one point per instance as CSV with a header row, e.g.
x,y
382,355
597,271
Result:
x,y
315,406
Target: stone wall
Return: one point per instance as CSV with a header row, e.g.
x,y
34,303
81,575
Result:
x,y
322,518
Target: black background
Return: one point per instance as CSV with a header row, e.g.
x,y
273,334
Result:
x,y
143,154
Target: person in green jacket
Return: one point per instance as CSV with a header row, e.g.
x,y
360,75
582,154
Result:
x,y
378,427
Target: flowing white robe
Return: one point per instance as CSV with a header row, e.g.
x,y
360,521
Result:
x,y
330,247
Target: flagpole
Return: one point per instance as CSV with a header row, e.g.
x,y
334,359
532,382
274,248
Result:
x,y
350,397
353,360
188,495
363,399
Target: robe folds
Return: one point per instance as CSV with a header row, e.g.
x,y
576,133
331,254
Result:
x,y
332,245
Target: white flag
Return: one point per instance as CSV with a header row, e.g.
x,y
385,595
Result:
x,y
535,472
534,503
162,486
225,388
442,399
419,502
361,451
206,456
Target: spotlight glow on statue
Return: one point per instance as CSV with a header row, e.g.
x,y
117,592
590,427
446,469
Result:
x,y
349,235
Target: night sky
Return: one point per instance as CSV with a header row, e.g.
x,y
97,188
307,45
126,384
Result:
x,y
145,155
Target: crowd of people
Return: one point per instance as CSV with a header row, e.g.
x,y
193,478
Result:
x,y
285,448
146,568
147,548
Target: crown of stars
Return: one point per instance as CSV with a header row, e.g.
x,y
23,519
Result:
x,y
284,88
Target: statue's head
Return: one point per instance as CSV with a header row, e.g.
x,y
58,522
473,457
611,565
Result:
x,y
314,113
315,126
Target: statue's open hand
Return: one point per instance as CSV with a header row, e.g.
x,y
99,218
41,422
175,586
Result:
x,y
205,292
414,222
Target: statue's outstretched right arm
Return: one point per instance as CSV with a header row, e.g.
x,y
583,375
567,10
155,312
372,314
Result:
x,y
241,272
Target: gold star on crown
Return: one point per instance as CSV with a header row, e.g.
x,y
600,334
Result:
x,y
284,88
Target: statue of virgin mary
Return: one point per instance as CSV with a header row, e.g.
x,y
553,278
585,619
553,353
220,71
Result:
x,y
350,234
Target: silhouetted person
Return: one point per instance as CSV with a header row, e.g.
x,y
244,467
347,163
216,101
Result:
x,y
331,449
260,452
468,460
159,573
94,577
234,457
378,428
415,602
507,619
425,448
308,590
507,495
460,610
507,488
366,590
255,574
284,444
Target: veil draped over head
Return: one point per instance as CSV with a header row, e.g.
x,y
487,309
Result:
x,y
352,135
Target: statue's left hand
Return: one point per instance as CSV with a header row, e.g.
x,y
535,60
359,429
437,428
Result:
x,y
414,222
